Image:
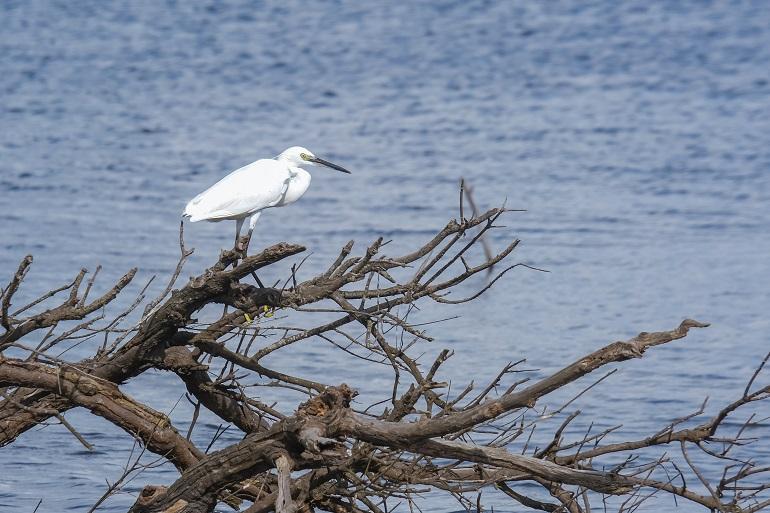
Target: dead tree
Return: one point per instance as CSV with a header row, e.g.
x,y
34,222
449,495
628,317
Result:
x,y
324,454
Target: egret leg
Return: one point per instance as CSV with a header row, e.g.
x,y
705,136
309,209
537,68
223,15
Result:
x,y
238,226
252,223
236,247
259,282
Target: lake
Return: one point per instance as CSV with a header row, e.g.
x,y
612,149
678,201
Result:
x,y
634,134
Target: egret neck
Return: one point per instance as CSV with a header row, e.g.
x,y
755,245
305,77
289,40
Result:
x,y
298,184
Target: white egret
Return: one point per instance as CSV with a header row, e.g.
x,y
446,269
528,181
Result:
x,y
247,191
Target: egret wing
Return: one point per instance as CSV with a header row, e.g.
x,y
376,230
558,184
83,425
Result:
x,y
259,185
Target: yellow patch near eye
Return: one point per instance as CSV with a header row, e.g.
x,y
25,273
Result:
x,y
304,156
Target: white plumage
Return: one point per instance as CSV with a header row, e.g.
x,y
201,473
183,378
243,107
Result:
x,y
247,191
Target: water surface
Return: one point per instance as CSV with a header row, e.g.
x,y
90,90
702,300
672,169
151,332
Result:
x,y
635,135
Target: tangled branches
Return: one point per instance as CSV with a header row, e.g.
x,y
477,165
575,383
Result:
x,y
324,454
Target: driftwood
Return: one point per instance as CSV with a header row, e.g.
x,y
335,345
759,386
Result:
x,y
324,454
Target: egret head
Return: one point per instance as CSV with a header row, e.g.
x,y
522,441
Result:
x,y
302,157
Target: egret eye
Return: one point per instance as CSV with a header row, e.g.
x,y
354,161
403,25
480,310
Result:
x,y
304,156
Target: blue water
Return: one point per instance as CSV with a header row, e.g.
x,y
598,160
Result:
x,y
635,135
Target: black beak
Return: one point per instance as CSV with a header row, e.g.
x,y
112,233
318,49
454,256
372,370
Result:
x,y
328,164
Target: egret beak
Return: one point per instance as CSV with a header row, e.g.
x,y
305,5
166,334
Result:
x,y
328,164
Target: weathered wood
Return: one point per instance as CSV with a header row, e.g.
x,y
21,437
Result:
x,y
355,460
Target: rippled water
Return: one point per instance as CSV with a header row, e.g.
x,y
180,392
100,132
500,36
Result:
x,y
635,135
